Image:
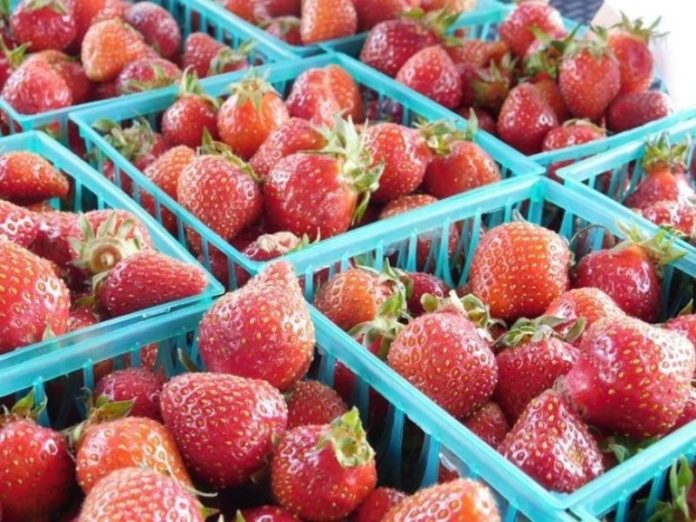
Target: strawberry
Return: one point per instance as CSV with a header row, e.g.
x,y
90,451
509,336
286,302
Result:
x,y
572,132
589,78
185,121
327,19
552,445
460,499
477,53
295,135
10,60
70,70
489,424
138,385
420,283
319,94
372,12
321,194
83,316
208,57
148,279
324,472
249,115
632,378
267,247
17,224
525,118
634,109
631,47
390,144
443,355
267,514
26,177
519,268
432,73
377,504
104,91
113,9
43,24
108,47
22,93
485,120
224,425
37,474
689,413
517,29
33,299
244,9
88,11
551,93
158,27
677,217
146,74
286,28
312,402
140,494
490,85
281,354
685,324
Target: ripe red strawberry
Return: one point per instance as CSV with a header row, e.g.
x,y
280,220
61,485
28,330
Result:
x,y
276,8
282,336
525,118
26,177
286,28
85,12
389,144
33,299
485,120
83,316
17,224
460,499
432,72
249,115
295,135
419,284
37,474
224,425
377,504
689,413
516,29
121,496
21,89
320,94
146,74
684,324
268,514
158,27
519,268
104,91
632,378
443,355
267,247
372,12
70,70
207,57
631,47
489,424
108,47
327,19
552,445
10,60
677,217
634,109
572,132
138,385
316,476
549,91
43,25
312,402
147,279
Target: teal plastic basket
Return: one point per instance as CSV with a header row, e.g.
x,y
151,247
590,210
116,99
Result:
x,y
541,201
151,106
91,191
191,18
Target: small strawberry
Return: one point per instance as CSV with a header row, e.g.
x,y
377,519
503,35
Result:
x,y
552,445
634,109
267,514
224,425
432,73
147,279
373,12
22,93
207,57
320,94
418,284
525,118
140,494
489,424
146,74
267,247
158,27
312,402
138,385
108,47
26,177
286,28
517,29
460,499
43,24
324,472
572,132
17,224
631,47
327,19
249,115
519,268
679,218
377,504
632,378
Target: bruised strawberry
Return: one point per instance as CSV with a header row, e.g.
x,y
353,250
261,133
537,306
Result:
x,y
489,424
634,109
44,24
432,73
146,74
312,402
138,385
377,505
516,30
525,118
327,19
158,27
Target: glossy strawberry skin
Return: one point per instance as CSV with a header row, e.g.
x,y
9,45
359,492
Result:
x,y
327,19
635,62
22,93
312,402
568,136
70,70
108,47
525,118
423,283
634,109
660,185
43,27
689,413
588,83
489,424
685,325
224,425
681,217
516,29
17,224
432,73
184,122
377,505
139,385
159,28
26,178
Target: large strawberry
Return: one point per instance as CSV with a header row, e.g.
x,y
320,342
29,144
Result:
x,y
108,47
17,224
206,56
22,91
157,25
138,385
327,19
145,74
313,402
517,30
631,47
43,24
432,72
552,445
225,425
632,378
324,472
461,499
525,119
34,300
519,268
634,109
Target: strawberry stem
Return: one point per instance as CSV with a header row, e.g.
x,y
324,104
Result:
x,y
349,440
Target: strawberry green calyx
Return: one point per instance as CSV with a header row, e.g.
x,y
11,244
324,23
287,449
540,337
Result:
x,y
253,88
660,153
349,440
191,86
24,408
238,517
597,45
217,148
441,135
438,21
470,306
386,325
132,142
57,6
581,122
160,79
492,85
624,448
536,330
637,29
681,480
101,410
660,247
227,56
548,58
16,56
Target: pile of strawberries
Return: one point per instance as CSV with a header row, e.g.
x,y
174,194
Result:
x,y
63,271
249,437
288,172
538,87
559,366
299,22
58,53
